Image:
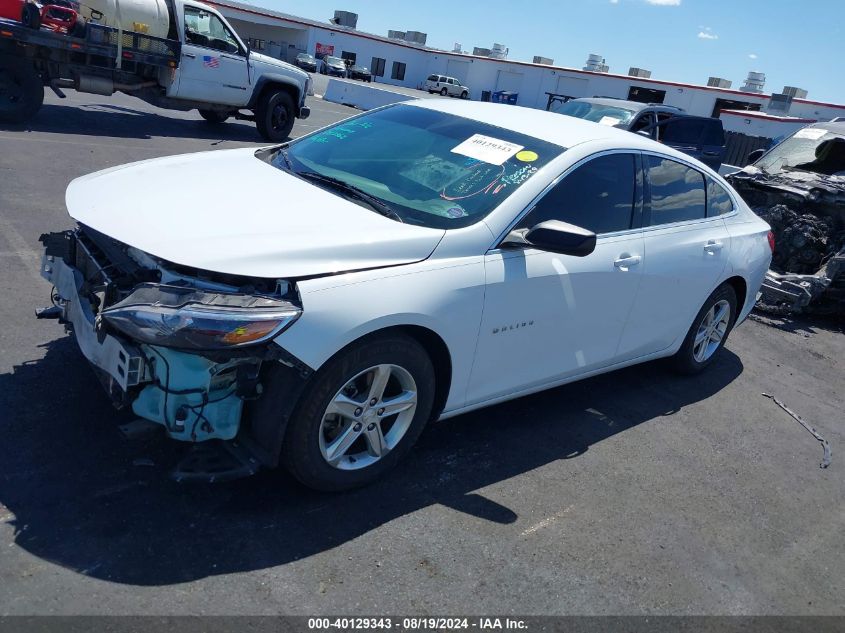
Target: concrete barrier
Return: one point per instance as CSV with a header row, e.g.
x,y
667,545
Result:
x,y
361,95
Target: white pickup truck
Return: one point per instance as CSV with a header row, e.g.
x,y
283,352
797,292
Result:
x,y
202,64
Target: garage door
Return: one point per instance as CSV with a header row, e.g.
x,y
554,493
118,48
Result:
x,y
458,69
509,81
572,86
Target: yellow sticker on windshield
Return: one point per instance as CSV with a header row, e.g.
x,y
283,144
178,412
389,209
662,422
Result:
x,y
527,156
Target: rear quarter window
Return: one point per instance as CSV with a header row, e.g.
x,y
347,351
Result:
x,y
718,199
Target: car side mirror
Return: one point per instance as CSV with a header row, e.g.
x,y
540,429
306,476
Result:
x,y
756,155
555,236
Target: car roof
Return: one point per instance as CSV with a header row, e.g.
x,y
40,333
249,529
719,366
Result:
x,y
636,106
565,131
837,127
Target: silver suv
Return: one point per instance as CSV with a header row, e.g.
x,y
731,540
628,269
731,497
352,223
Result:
x,y
446,86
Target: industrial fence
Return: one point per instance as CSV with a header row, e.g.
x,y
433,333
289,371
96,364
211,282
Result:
x,y
738,146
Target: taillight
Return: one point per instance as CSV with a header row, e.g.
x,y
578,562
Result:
x,y
771,237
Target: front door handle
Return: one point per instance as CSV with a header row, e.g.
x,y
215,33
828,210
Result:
x,y
712,247
626,261
191,55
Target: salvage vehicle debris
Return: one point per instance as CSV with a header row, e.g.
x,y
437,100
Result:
x,y
798,187
315,304
825,444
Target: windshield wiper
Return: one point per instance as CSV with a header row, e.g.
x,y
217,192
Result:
x,y
350,191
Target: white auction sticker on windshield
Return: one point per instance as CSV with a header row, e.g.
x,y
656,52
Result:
x,y
487,149
814,133
608,120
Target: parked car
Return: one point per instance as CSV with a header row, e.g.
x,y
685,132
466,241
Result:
x,y
360,72
306,62
333,66
322,300
446,86
700,137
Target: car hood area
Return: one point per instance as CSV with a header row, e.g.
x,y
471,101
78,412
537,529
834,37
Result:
x,y
229,212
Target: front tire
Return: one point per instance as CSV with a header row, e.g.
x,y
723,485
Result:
x,y
214,116
464,95
274,116
360,414
21,91
708,333
444,92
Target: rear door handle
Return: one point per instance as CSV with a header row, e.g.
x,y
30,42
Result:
x,y
626,261
712,247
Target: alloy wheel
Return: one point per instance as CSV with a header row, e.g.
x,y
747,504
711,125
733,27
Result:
x,y
368,417
711,331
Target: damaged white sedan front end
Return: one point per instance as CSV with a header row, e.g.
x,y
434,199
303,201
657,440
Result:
x,y
182,352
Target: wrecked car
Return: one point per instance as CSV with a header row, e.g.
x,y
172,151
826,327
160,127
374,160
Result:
x,y
798,187
316,303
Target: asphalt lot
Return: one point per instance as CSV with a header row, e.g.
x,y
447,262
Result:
x,y
636,492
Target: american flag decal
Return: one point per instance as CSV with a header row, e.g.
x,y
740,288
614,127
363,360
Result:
x,y
210,62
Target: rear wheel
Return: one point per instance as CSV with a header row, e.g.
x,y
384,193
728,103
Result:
x,y
214,116
21,91
274,116
31,17
361,414
708,332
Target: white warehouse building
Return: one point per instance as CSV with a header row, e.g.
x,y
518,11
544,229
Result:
x,y
402,63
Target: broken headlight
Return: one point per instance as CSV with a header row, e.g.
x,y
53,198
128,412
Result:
x,y
190,318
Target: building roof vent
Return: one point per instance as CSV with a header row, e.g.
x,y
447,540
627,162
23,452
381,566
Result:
x,y
639,72
754,82
718,82
345,18
596,63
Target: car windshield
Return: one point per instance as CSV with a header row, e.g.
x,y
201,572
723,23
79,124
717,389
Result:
x,y
305,57
597,112
812,149
359,69
429,168
334,60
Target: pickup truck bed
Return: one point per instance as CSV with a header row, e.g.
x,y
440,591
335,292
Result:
x,y
99,47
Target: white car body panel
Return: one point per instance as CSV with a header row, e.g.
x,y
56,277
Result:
x,y
534,315
679,272
444,295
230,212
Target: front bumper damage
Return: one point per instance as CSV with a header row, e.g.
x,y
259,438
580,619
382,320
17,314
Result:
x,y
195,397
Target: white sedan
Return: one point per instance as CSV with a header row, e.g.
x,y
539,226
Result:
x,y
317,303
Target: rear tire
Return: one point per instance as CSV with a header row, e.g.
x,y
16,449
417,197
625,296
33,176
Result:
x,y
708,333
274,116
21,91
214,116
310,451
31,17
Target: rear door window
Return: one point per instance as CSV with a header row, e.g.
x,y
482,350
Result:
x,y
432,78
682,131
677,191
713,133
